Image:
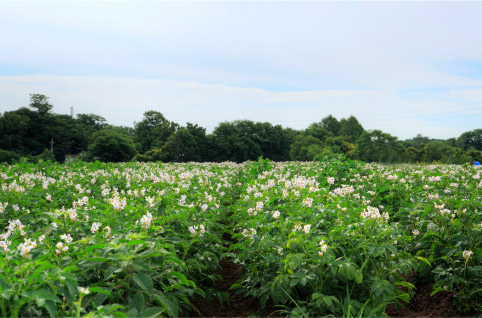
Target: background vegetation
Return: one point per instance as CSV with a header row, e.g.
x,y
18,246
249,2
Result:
x,y
29,131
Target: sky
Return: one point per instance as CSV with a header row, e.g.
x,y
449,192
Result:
x,y
405,68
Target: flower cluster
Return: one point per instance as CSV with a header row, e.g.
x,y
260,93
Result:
x,y
60,246
150,201
95,227
307,228
118,203
107,230
26,247
145,221
373,214
323,248
259,206
343,191
197,229
308,202
249,233
330,180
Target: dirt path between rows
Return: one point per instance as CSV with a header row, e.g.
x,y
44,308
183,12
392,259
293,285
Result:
x,y
424,305
239,305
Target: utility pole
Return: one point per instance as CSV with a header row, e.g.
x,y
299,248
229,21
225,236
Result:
x,y
72,111
52,148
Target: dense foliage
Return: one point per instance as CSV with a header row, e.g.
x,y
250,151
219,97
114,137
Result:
x,y
28,132
322,238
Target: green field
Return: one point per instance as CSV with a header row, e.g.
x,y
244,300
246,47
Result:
x,y
334,238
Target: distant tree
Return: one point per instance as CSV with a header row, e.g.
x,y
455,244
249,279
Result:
x,y
236,141
350,129
318,132
414,155
305,148
111,145
471,140
94,122
153,130
244,140
377,146
436,151
41,103
417,142
331,124
475,155
15,130
186,144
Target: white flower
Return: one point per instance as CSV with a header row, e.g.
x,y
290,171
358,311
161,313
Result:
x,y
415,232
307,228
146,220
276,214
466,254
95,227
331,180
67,238
323,248
83,290
259,206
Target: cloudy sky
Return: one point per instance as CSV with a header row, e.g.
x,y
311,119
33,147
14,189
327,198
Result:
x,y
402,67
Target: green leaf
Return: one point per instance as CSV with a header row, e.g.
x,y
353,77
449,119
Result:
x,y
98,259
47,295
137,302
152,312
144,281
6,294
70,269
99,290
359,277
423,259
94,247
135,242
183,279
51,308
40,301
133,313
111,270
172,310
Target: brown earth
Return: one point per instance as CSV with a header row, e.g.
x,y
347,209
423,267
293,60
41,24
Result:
x,y
424,305
239,305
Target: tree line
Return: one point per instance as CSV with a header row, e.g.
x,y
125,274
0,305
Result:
x,y
28,132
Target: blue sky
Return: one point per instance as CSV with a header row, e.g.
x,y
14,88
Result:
x,y
402,67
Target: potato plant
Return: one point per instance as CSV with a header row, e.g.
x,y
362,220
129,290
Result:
x,y
324,238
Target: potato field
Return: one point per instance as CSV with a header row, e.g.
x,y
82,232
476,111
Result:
x,y
325,238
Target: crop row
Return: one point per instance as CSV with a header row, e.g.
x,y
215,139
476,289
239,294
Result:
x,y
335,238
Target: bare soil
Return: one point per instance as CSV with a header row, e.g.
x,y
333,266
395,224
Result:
x,y
239,305
424,305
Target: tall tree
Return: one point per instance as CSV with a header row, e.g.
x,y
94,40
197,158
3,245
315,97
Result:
x,y
331,124
111,145
41,103
377,146
350,129
153,130
305,148
471,140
